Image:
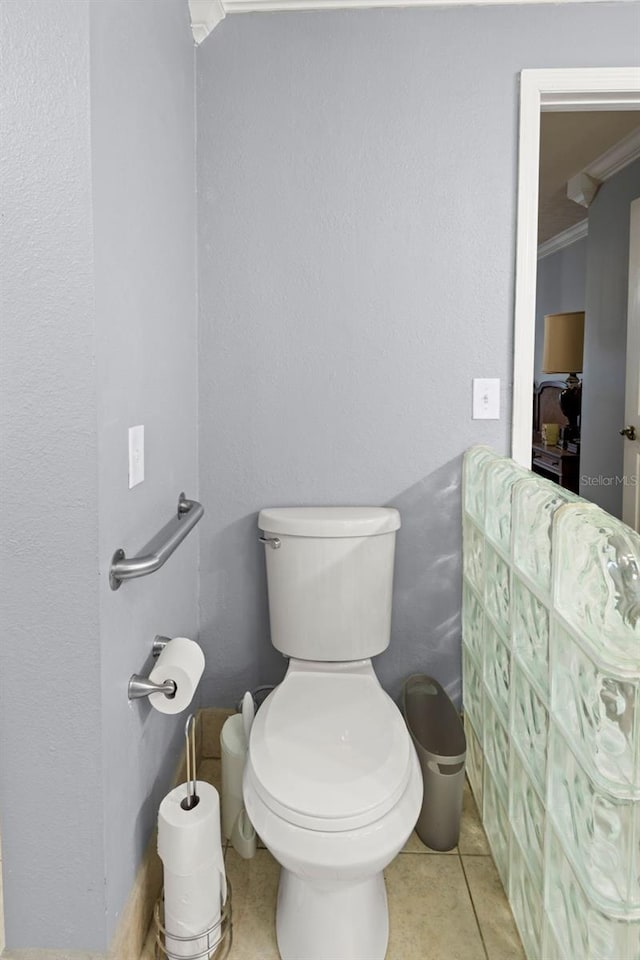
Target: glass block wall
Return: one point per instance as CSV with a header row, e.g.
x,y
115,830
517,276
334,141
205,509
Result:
x,y
551,688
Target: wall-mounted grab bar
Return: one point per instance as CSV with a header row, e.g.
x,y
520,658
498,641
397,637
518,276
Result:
x,y
160,548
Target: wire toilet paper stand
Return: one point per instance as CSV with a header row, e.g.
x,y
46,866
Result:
x,y
219,936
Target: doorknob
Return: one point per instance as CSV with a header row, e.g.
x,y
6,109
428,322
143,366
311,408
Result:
x,y
629,432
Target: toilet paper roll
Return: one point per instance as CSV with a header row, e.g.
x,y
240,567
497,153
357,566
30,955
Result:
x,y
195,885
182,661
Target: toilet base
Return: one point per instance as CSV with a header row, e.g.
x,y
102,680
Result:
x,y
332,921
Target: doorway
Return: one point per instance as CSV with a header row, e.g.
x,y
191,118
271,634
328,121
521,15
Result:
x,y
550,91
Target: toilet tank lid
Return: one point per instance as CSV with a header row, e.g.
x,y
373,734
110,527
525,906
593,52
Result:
x,y
329,521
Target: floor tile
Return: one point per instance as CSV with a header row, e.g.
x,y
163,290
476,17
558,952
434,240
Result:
x,y
430,912
415,845
494,914
254,885
473,839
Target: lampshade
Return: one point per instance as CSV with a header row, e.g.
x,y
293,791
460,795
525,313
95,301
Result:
x,y
563,342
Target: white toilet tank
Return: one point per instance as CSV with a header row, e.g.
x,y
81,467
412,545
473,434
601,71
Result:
x,y
330,580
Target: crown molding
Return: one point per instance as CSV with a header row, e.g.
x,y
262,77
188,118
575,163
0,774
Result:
x,y
616,158
207,14
582,189
564,239
254,6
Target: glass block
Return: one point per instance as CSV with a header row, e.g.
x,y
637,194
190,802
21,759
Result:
x,y
473,479
472,690
597,581
583,930
472,622
551,949
500,476
496,749
496,824
535,500
599,710
475,761
525,897
600,832
529,726
496,595
530,633
497,669
526,815
473,555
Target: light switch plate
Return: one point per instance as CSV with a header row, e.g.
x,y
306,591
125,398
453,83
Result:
x,y
486,399
136,455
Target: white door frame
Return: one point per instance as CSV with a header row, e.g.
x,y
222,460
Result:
x,y
630,491
609,88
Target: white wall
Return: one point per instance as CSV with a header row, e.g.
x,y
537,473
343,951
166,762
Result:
x,y
98,334
605,342
560,288
50,768
357,185
143,143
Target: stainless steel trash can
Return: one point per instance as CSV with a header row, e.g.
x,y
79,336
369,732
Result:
x,y
438,735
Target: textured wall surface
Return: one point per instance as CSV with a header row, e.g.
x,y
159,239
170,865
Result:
x,y
560,288
143,139
605,344
50,769
357,186
99,335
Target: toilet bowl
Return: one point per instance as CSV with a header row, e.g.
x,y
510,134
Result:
x,y
333,788
332,783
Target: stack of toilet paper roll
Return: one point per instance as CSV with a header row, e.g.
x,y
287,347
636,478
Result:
x,y
234,742
195,886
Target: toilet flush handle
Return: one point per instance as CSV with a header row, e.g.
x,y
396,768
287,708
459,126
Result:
x,y
274,542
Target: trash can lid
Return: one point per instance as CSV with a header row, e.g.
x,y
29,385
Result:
x,y
330,750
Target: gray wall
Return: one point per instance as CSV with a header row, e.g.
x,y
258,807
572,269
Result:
x,y
100,334
357,188
143,139
605,345
50,770
560,288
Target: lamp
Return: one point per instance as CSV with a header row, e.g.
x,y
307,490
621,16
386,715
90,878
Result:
x,y
563,349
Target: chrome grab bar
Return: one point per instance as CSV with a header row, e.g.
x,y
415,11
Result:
x,y
159,549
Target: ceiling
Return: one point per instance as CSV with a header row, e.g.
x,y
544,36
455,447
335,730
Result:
x,y
569,142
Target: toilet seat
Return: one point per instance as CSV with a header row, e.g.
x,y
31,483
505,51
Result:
x,y
329,750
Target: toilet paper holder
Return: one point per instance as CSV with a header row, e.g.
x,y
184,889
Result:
x,y
140,686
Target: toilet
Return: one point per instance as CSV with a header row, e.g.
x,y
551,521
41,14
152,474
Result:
x,y
332,783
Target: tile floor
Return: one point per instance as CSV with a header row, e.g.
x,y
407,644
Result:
x,y
441,905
